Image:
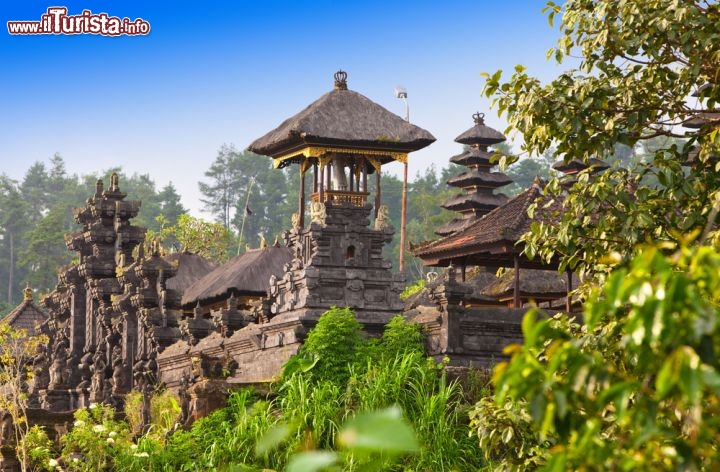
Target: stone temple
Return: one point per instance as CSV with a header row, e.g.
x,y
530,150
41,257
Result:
x,y
128,317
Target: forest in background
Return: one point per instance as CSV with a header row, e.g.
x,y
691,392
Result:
x,y
36,212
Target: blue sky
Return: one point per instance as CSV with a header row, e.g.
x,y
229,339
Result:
x,y
227,72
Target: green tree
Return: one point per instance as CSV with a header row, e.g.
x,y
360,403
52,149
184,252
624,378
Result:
x,y
210,240
270,199
170,205
17,350
639,62
222,192
13,224
524,171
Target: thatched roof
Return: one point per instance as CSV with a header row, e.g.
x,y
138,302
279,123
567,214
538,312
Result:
x,y
478,178
27,316
190,269
456,224
480,133
538,284
473,156
246,274
475,201
343,118
491,240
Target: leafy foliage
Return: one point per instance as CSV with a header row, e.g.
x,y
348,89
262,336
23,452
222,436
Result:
x,y
333,341
639,61
17,370
635,387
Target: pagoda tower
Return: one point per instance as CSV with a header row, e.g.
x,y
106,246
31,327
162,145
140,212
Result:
x,y
341,139
478,183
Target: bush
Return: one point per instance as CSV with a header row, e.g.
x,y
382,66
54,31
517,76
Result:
x,y
634,388
333,342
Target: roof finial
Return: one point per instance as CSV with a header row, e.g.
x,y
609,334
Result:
x,y
27,294
341,80
114,182
479,118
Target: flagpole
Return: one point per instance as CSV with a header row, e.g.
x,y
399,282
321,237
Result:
x,y
247,202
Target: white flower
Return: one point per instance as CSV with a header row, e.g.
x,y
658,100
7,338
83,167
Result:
x,y
133,447
53,463
75,459
141,454
110,440
92,406
98,428
78,423
112,434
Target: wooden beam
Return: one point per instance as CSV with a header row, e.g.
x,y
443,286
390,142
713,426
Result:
x,y
301,203
516,284
378,192
568,300
403,221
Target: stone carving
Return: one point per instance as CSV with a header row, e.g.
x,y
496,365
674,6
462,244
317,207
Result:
x,y
184,396
431,277
318,213
118,377
383,218
58,368
295,220
6,429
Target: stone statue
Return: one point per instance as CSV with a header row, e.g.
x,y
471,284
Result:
x,y
318,213
184,398
118,377
6,429
98,376
58,366
383,219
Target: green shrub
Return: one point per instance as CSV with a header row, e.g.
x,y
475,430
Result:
x,y
333,342
400,336
412,289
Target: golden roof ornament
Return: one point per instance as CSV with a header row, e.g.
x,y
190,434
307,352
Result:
x,y
340,80
27,294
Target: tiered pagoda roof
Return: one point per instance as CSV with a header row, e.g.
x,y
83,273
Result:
x,y
478,183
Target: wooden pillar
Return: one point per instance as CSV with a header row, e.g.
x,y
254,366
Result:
x,y
403,221
568,283
321,191
516,284
463,268
301,202
364,176
328,176
378,193
315,178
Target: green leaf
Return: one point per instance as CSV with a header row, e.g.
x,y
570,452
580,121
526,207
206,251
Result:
x,y
272,439
379,431
312,461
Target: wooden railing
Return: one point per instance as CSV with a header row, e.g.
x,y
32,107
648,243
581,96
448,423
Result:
x,y
337,197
